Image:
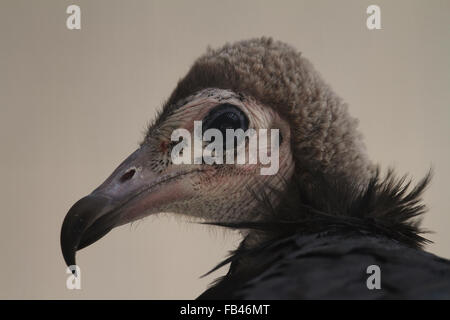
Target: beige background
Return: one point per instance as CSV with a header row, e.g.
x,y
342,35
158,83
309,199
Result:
x,y
74,104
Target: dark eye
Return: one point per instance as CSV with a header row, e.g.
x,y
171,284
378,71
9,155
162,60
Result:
x,y
225,116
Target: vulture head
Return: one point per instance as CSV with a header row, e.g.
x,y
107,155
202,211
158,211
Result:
x,y
254,84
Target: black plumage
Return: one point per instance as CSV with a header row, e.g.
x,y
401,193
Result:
x,y
333,266
321,241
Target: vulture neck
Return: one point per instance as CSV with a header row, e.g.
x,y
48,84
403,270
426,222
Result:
x,y
388,207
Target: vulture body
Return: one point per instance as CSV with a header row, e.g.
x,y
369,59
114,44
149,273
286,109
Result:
x,y
323,246
312,229
322,266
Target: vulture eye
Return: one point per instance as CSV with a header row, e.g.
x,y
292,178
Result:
x,y
225,116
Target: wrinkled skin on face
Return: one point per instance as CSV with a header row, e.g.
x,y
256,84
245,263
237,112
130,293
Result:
x,y
148,182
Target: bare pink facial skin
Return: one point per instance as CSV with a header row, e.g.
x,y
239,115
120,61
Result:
x,y
212,192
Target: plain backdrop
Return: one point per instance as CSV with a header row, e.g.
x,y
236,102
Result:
x,y
75,103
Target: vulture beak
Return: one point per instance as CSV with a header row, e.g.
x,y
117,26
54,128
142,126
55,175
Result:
x,y
130,193
89,219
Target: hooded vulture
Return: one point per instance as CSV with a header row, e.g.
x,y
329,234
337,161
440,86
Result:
x,y
325,225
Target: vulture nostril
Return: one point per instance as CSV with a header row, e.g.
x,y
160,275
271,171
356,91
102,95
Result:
x,y
127,175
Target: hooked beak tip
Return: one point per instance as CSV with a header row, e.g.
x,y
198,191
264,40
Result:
x,y
84,225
